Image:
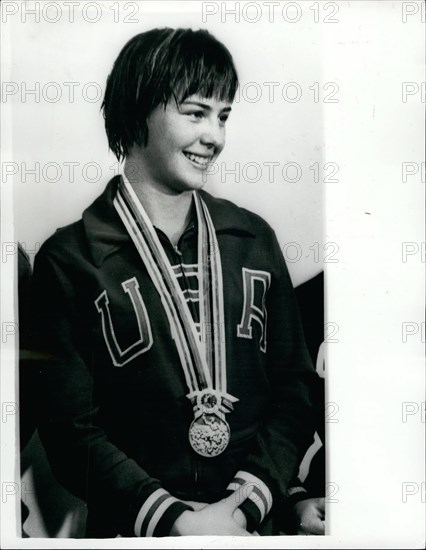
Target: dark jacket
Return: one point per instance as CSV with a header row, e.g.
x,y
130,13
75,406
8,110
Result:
x,y
116,433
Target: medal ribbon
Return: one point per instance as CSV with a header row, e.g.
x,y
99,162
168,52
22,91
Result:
x,y
204,364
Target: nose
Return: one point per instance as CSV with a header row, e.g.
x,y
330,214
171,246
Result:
x,y
213,136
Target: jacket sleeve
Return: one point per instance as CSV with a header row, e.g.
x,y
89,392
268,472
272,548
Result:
x,y
288,427
80,454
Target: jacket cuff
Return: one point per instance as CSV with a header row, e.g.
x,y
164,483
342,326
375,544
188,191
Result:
x,y
259,502
158,514
297,494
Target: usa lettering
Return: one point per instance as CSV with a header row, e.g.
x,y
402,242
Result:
x,y
254,312
122,357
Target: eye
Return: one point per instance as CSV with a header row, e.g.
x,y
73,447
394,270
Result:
x,y
196,114
223,118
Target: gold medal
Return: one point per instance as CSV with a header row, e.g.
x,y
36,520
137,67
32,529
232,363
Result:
x,y
209,435
209,432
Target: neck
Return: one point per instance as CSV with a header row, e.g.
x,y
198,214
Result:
x,y
168,211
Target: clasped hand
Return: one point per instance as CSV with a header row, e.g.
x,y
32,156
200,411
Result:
x,y
310,514
220,518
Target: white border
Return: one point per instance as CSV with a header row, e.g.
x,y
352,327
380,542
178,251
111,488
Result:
x,y
370,371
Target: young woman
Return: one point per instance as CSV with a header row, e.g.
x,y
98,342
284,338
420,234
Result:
x,y
177,385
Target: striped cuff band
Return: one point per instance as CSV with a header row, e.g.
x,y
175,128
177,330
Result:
x,y
293,490
153,509
260,496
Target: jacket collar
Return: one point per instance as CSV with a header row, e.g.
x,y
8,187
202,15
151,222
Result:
x,y
106,233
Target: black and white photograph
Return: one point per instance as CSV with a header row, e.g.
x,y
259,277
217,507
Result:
x,y
213,274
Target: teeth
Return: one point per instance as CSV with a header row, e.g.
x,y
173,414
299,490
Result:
x,y
197,159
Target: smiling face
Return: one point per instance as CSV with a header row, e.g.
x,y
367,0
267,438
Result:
x,y
183,140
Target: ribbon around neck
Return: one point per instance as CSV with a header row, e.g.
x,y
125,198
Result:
x,y
202,356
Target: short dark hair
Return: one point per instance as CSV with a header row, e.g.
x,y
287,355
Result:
x,y
154,67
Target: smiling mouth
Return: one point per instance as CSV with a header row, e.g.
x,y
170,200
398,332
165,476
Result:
x,y
198,159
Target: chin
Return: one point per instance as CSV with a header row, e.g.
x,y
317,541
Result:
x,y
192,185
200,184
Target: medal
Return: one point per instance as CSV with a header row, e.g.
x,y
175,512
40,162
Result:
x,y
203,362
209,435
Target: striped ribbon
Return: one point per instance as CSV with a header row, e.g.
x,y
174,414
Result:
x,y
203,357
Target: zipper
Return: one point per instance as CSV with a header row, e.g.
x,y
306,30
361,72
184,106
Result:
x,y
180,256
196,475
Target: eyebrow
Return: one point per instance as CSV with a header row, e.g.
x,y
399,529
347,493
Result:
x,y
205,106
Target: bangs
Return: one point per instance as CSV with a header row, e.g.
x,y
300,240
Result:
x,y
199,66
185,63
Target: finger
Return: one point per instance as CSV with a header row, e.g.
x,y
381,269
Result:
x,y
314,527
235,499
240,518
321,504
317,527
